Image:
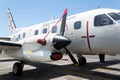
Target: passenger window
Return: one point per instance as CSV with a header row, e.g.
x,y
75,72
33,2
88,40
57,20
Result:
x,y
77,25
54,29
19,36
102,20
115,16
36,32
44,30
23,35
16,39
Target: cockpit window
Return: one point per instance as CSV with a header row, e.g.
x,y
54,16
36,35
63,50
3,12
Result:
x,y
102,20
115,16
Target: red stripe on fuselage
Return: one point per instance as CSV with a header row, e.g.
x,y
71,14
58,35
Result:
x,y
88,36
87,33
92,36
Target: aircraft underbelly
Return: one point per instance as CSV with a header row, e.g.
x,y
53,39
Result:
x,y
37,56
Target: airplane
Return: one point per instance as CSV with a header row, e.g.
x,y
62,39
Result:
x,y
94,32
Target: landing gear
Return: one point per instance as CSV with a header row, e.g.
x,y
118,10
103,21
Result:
x,y
102,58
82,61
18,68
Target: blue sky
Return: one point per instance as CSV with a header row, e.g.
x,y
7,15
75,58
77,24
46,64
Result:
x,y
30,12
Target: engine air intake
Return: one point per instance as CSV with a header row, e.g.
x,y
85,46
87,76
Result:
x,y
56,55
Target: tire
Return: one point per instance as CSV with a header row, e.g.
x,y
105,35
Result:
x,y
82,61
102,58
17,69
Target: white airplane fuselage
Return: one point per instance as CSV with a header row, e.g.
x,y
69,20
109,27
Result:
x,y
87,36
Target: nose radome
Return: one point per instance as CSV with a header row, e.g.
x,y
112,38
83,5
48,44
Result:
x,y
60,42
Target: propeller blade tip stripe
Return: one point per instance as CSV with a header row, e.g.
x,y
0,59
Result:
x,y
65,11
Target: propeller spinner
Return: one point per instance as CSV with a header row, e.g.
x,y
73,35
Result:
x,y
60,41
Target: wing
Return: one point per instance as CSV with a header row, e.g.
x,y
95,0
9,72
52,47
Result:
x,y
5,38
12,49
9,44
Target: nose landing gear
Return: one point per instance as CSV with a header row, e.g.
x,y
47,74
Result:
x,y
81,59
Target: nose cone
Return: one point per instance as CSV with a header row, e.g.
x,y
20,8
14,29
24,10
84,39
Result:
x,y
60,41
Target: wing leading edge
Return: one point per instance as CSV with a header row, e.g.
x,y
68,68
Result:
x,y
5,38
9,44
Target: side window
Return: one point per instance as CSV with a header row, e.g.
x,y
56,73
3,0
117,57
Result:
x,y
77,25
102,20
54,29
19,36
44,30
36,32
23,35
16,39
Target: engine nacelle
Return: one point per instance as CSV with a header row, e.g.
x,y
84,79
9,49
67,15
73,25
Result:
x,y
42,56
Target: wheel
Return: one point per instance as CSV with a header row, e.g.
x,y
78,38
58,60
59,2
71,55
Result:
x,y
82,61
17,69
102,58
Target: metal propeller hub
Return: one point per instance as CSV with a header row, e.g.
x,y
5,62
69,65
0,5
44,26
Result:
x,y
60,42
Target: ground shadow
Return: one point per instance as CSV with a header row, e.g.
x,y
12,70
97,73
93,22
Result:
x,y
45,71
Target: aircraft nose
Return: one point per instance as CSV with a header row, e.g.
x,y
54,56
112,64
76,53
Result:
x,y
60,41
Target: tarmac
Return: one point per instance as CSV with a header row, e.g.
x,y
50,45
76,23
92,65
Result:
x,y
64,69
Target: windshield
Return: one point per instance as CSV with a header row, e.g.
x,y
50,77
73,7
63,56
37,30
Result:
x,y
102,20
115,16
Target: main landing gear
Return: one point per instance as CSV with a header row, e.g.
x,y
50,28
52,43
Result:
x,y
18,68
102,58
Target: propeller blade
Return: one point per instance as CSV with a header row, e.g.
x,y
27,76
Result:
x,y
63,23
71,56
62,30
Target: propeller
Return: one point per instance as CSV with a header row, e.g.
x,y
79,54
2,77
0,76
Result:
x,y
60,41
66,40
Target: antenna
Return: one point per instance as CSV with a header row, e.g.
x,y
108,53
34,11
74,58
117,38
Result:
x,y
99,7
52,18
11,22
